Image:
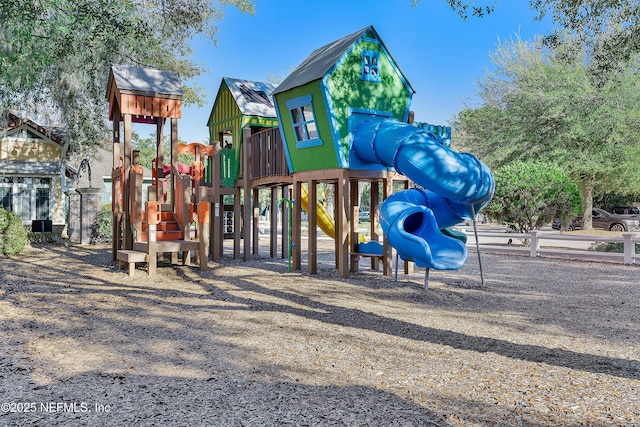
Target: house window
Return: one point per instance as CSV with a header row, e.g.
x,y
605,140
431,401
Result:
x,y
251,95
27,197
371,65
6,198
42,203
304,122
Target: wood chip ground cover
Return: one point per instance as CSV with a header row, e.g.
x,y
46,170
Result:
x,y
543,342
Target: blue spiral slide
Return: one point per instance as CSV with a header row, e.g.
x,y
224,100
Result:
x,y
455,186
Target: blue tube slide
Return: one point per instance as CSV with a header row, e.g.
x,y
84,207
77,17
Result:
x,y
455,185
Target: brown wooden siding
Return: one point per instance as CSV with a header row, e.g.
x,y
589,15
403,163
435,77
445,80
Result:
x,y
268,157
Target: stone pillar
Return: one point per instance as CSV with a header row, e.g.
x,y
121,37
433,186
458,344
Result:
x,y
90,204
73,225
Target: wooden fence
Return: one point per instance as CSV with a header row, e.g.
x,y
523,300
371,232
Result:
x,y
268,156
499,241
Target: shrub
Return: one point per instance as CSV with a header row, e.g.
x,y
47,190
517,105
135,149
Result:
x,y
37,237
13,236
104,228
611,247
530,194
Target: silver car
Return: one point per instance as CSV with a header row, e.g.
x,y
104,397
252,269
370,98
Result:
x,y
604,220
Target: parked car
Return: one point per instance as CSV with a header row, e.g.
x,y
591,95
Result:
x,y
622,210
602,220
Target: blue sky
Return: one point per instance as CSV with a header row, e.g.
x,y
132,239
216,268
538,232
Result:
x,y
442,56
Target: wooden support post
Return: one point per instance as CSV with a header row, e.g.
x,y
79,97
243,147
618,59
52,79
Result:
x,y
216,234
247,211
408,265
342,200
185,185
174,160
374,209
117,217
286,218
152,256
336,213
127,231
353,229
273,224
237,223
256,221
296,238
159,160
312,226
203,235
387,268
136,203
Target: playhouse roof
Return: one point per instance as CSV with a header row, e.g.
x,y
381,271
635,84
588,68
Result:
x,y
145,81
322,60
253,98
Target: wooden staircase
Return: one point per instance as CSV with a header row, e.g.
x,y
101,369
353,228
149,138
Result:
x,y
167,229
168,238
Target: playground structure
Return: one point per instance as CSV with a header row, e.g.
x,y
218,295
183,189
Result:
x,y
341,118
141,230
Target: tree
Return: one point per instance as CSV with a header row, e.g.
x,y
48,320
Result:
x,y
466,8
530,194
60,51
148,150
542,103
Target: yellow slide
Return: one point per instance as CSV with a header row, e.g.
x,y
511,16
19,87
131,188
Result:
x,y
325,222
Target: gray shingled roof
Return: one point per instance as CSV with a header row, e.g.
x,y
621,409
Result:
x,y
249,97
323,59
148,81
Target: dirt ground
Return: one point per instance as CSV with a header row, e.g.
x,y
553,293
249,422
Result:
x,y
542,342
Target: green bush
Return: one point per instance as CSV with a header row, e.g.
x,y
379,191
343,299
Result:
x,y
13,236
104,230
530,194
47,237
611,247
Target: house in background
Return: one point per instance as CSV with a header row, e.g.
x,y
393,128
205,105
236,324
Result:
x,y
31,182
100,163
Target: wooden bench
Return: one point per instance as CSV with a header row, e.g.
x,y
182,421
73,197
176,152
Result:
x,y
355,259
130,258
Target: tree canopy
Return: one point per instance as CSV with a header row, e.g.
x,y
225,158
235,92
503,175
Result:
x,y
543,103
60,51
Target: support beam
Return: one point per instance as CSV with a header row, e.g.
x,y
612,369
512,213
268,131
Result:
x,y
174,160
353,229
160,191
216,239
127,232
312,226
247,211
387,267
273,225
256,221
374,209
342,232
116,243
237,223
296,238
286,219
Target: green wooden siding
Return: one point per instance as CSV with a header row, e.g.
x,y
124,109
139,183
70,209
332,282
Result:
x,y
311,158
347,89
225,116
